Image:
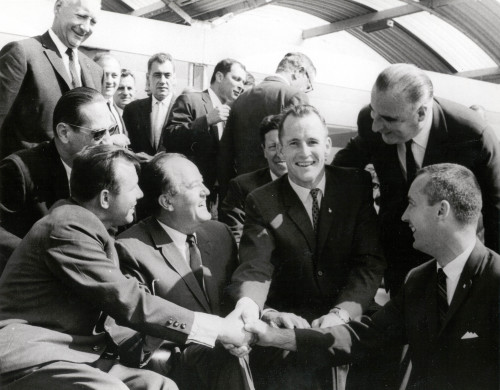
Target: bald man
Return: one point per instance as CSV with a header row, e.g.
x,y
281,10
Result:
x,y
35,72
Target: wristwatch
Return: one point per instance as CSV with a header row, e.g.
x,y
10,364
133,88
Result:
x,y
342,314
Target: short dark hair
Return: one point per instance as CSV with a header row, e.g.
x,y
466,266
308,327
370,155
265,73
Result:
x,y
295,61
270,122
300,111
160,58
126,73
407,80
94,170
68,107
225,67
457,185
154,181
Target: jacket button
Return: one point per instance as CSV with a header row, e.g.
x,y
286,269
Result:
x,y
183,326
320,273
96,348
176,324
169,322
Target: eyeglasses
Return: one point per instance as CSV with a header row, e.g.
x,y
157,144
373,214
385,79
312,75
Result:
x,y
98,134
310,84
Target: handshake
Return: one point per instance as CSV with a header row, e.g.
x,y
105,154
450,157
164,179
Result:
x,y
242,328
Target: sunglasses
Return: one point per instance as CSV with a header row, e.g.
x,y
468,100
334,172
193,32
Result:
x,y
99,134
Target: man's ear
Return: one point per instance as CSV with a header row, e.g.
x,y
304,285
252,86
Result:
x,y
422,112
444,209
165,202
104,199
62,130
219,76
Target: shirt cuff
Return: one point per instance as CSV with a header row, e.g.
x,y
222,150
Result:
x,y
205,330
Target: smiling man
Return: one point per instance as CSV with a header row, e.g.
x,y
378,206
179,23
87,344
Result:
x,y
187,259
126,91
405,128
309,247
197,120
448,308
145,118
233,205
35,72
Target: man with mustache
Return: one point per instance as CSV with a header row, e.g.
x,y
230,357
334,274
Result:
x,y
197,120
35,72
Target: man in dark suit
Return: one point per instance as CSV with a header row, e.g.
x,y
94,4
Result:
x,y
310,245
145,118
197,120
110,83
64,279
233,205
32,180
447,309
240,144
35,72
403,110
157,252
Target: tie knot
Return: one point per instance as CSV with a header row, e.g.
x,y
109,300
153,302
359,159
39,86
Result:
x,y
409,143
191,239
70,53
314,193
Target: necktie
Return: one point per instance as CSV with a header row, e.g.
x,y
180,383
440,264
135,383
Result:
x,y
159,119
315,208
116,116
195,259
411,165
75,79
442,298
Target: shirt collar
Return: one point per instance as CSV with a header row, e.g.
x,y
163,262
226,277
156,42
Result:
x,y
155,100
455,267
422,138
213,96
303,192
61,47
273,176
177,237
67,169
282,78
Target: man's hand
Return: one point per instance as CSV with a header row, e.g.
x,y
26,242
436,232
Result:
x,y
218,114
285,320
120,140
144,157
327,321
272,337
233,332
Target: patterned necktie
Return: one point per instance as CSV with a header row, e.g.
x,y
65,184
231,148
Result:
x,y
442,297
195,259
315,208
411,165
159,119
75,79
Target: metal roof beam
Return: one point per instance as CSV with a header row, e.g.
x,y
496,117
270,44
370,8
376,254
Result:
x,y
150,11
360,20
179,11
479,73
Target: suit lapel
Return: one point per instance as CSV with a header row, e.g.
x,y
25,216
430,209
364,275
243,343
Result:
x,y
160,144
50,50
206,248
176,261
87,80
297,213
329,208
465,282
209,106
431,304
435,150
59,176
145,115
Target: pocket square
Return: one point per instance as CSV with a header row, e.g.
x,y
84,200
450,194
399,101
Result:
x,y
469,335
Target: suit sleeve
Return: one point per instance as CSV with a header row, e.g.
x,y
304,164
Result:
x,y
356,153
77,257
186,126
253,277
488,175
13,68
368,263
233,209
226,168
323,347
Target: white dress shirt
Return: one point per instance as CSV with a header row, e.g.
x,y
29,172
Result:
x,y
305,196
116,115
159,111
61,47
418,148
454,269
216,103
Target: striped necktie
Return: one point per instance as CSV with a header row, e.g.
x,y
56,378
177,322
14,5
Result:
x,y
315,208
75,79
442,297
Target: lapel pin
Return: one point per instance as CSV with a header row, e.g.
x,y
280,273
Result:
x,y
330,210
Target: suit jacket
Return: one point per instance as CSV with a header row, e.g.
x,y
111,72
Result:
x,y
240,149
233,205
32,79
285,265
462,354
59,285
137,118
457,136
31,181
188,132
119,118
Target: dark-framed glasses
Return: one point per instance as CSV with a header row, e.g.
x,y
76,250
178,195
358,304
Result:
x,y
97,134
